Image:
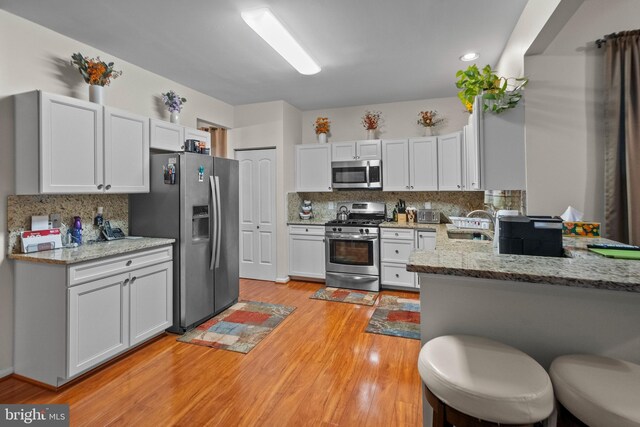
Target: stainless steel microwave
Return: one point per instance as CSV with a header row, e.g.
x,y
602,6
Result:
x,y
357,174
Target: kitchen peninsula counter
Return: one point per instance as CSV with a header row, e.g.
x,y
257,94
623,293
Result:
x,y
479,259
92,251
544,306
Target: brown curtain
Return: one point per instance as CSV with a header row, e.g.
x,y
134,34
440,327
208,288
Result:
x,y
218,141
622,156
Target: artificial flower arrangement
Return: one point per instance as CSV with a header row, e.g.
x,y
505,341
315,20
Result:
x,y
428,118
173,101
322,125
94,71
498,93
371,119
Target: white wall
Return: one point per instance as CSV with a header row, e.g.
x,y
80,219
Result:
x,y
33,57
400,119
272,124
564,112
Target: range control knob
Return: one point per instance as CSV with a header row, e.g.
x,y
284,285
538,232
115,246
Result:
x,y
361,231
335,229
366,230
339,229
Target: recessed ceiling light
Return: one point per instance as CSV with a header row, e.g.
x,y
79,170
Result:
x,y
263,22
471,56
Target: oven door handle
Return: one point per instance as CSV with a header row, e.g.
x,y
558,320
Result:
x,y
368,180
350,237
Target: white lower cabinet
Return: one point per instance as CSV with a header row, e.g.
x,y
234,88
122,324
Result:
x,y
396,245
307,251
71,318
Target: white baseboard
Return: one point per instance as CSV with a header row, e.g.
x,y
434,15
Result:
x,y
6,372
282,279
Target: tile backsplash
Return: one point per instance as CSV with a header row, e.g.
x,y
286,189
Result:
x,y
451,203
20,209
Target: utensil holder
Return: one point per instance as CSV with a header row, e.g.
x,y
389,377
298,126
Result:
x,y
402,218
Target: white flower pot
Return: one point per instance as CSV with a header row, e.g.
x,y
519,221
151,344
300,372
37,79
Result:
x,y
371,134
96,94
322,138
174,118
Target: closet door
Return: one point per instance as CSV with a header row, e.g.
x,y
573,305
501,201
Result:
x,y
257,214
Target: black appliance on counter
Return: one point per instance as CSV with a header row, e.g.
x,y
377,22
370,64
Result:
x,y
531,235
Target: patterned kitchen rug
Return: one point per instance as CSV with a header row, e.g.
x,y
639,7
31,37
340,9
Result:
x,y
346,295
240,327
398,317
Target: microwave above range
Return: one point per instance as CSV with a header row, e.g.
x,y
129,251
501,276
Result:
x,y
357,175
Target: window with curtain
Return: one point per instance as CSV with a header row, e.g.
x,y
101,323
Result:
x,y
622,156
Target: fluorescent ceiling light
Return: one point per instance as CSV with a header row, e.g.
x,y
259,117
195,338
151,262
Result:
x,y
471,56
263,22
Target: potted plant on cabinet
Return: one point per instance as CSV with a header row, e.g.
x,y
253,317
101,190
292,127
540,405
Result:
x,y
498,93
322,126
96,73
429,121
370,121
174,102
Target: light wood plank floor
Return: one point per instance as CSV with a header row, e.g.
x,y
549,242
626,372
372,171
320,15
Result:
x,y
317,368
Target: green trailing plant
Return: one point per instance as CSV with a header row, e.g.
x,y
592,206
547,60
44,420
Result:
x,y
498,93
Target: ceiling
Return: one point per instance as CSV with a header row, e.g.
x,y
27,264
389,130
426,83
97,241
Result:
x,y
370,51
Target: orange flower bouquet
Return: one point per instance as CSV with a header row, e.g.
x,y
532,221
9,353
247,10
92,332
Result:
x,y
94,71
322,125
371,119
428,118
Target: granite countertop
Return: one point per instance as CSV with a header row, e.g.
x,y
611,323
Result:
x,y
308,222
580,268
91,251
409,225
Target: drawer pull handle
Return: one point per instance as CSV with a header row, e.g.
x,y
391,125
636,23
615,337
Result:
x,y
306,229
129,263
397,251
397,275
126,282
397,234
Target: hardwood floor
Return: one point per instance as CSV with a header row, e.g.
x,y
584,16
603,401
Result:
x,y
318,368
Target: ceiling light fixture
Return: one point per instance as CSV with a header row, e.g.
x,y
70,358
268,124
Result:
x,y
263,22
471,56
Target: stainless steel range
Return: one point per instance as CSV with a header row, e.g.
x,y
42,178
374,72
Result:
x,y
353,247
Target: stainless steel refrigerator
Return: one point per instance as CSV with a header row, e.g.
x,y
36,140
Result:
x,y
194,199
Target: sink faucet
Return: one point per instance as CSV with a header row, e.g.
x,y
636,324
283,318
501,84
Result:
x,y
485,213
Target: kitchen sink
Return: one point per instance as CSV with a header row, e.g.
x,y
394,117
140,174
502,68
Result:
x,y
468,235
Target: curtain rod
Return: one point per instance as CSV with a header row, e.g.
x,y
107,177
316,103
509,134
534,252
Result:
x,y
604,39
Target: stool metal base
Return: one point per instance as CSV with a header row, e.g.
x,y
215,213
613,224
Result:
x,y
446,416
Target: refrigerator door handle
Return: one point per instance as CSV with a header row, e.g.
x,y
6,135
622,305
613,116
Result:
x,y
215,223
218,221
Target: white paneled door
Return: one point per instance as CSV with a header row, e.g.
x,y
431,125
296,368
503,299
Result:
x,y
257,214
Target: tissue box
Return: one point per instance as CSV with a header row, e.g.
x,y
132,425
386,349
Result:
x,y
580,228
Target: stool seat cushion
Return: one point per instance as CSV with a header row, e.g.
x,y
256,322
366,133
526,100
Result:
x,y
486,379
599,391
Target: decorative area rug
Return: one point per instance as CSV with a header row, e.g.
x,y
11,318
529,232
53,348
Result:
x,y
240,327
398,317
346,295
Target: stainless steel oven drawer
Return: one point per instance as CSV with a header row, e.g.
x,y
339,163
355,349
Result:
x,y
353,281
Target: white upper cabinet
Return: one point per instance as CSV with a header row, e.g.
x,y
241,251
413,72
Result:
x,y
450,162
410,165
313,167
395,165
499,140
66,146
71,156
471,158
167,136
356,150
126,152
423,164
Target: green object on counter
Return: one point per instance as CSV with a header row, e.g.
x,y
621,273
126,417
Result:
x,y
617,253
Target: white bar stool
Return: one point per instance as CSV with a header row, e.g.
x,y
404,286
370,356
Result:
x,y
473,381
596,391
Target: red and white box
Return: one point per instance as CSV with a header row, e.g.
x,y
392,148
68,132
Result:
x,y
41,240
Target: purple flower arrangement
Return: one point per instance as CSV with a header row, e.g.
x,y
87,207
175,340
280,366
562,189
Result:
x,y
173,101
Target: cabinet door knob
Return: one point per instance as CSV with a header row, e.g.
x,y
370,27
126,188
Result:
x,y
324,240
182,147
126,282
397,275
129,263
407,187
412,187
108,187
458,185
397,251
100,186
396,234
306,229
133,279
329,188
258,227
